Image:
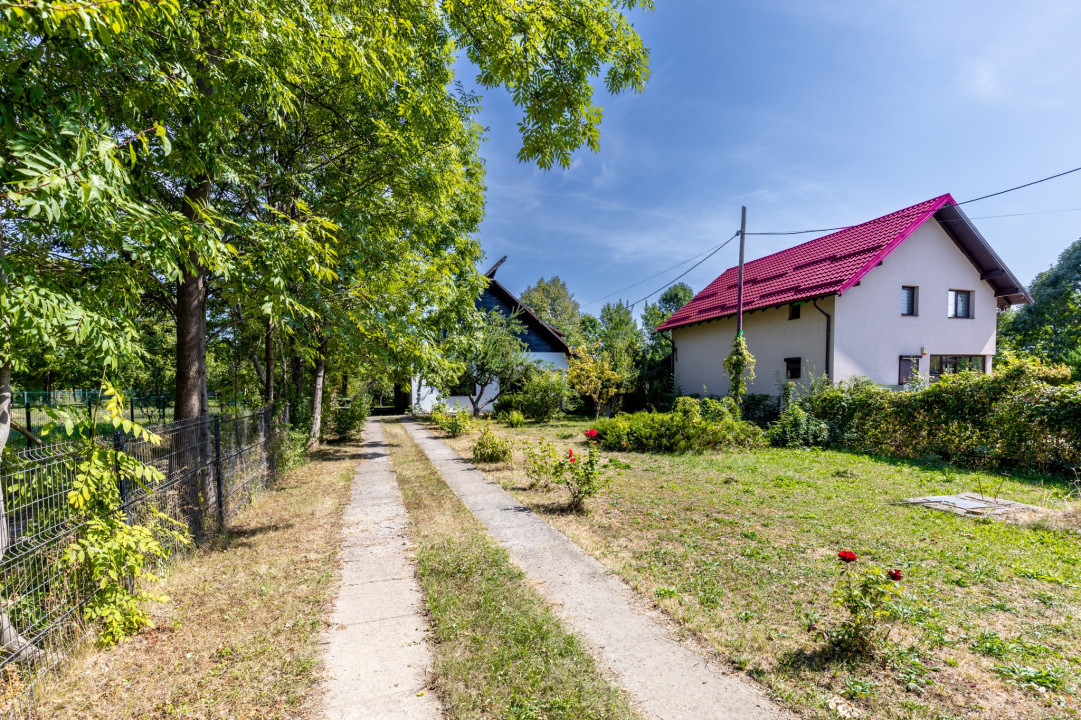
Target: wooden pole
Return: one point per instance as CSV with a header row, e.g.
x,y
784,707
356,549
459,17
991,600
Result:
x,y
739,282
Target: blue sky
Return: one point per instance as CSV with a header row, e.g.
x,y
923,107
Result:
x,y
812,115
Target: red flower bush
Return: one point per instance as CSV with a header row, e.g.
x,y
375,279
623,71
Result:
x,y
848,556
570,455
895,575
591,433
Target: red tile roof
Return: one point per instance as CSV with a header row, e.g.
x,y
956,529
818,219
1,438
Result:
x,y
828,265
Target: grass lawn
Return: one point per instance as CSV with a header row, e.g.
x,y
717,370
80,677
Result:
x,y
740,548
500,652
238,638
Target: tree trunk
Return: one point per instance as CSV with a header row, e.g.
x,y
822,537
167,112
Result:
x,y
294,376
268,363
317,396
11,641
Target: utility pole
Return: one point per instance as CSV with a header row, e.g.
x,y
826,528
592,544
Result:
x,y
739,283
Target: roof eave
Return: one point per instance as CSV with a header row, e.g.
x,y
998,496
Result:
x,y
972,243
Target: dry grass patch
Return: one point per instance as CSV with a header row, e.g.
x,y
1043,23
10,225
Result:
x,y
500,651
238,638
740,548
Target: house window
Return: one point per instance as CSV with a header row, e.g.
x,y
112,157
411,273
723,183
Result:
x,y
909,299
792,368
907,367
793,312
949,364
960,304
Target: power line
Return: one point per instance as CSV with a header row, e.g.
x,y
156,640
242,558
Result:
x,y
692,267
895,217
662,272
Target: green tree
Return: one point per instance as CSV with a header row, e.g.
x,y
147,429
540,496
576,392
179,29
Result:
x,y
494,357
656,375
1050,327
590,372
553,303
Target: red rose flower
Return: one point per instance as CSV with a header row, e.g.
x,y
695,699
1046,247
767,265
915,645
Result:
x,y
847,556
591,433
895,575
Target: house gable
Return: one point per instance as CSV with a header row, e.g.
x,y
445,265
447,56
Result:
x,y
539,336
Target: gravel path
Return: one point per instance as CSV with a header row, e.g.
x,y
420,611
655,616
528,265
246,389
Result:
x,y
376,654
667,680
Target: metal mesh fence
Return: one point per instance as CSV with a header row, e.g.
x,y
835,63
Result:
x,y
210,469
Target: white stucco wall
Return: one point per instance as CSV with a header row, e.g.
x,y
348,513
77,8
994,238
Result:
x,y
426,396
771,337
871,333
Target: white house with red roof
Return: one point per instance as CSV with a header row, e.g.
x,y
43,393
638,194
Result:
x,y
918,289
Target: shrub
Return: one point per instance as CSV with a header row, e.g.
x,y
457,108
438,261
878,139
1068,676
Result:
x,y
760,408
292,449
797,428
347,418
583,475
512,418
676,432
543,463
866,597
490,448
1024,415
541,396
452,423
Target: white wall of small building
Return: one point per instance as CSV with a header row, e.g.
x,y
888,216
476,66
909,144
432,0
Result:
x,y
871,333
771,337
425,396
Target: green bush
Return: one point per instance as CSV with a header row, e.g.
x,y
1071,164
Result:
x,y
676,432
543,463
512,418
1023,415
540,397
797,428
760,408
348,416
292,449
583,476
490,448
453,423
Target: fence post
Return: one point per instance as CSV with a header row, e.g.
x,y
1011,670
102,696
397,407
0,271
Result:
x,y
121,486
218,479
26,402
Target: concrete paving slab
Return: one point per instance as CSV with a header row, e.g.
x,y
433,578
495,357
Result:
x,y
376,653
667,680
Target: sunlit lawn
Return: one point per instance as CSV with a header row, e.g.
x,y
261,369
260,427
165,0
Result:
x,y
741,548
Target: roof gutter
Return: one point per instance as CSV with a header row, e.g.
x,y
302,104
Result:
x,y
829,332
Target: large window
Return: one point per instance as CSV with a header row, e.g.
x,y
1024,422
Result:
x,y
960,304
947,364
792,368
909,300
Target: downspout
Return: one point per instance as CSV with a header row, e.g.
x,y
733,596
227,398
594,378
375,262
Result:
x,y
829,331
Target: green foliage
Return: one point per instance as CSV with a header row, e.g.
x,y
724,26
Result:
x,y
1023,415
115,556
543,463
591,374
1050,328
677,432
493,353
760,408
583,476
540,396
1052,678
866,597
292,450
490,448
452,423
740,368
512,418
797,428
552,302
348,415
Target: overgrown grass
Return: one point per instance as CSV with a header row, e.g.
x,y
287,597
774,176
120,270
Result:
x,y
238,638
740,548
500,650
